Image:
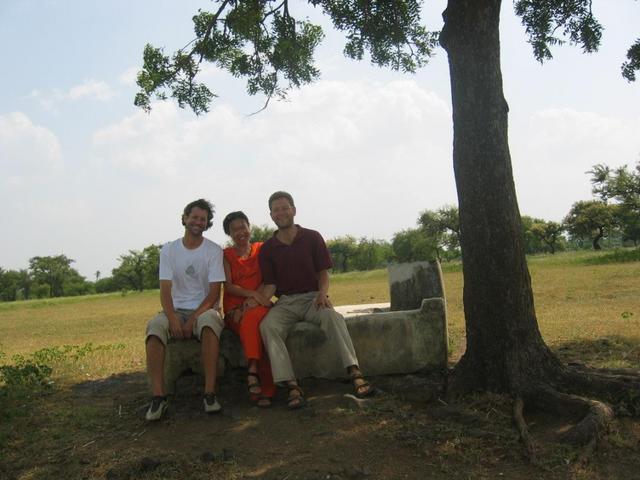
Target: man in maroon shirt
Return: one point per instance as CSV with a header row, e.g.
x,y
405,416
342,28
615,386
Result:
x,y
295,265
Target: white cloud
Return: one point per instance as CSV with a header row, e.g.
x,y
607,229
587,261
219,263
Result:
x,y
553,152
26,149
89,89
129,76
209,72
342,148
32,180
149,143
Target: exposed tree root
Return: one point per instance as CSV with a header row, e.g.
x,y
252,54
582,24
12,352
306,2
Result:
x,y
521,425
622,372
572,391
595,415
617,385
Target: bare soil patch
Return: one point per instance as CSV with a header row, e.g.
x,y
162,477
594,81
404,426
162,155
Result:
x,y
95,430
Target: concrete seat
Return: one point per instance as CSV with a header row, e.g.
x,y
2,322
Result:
x,y
387,341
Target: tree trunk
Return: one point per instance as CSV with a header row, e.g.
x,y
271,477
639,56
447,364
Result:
x,y
596,241
505,351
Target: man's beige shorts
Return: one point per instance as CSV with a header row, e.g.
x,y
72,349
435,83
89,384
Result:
x,y
159,325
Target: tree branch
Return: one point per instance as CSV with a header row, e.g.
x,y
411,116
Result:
x,y
271,12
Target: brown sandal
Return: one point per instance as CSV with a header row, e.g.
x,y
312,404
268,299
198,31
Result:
x,y
263,402
370,390
252,387
295,401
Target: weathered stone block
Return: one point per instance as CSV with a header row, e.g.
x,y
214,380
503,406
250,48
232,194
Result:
x,y
410,283
386,343
183,356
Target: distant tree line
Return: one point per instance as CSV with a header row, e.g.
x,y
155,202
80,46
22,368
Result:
x,y
53,276
613,215
46,277
138,270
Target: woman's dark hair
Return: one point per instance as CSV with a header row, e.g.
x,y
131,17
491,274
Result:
x,y
231,217
204,205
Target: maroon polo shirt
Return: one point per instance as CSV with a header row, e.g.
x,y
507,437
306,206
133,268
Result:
x,y
294,268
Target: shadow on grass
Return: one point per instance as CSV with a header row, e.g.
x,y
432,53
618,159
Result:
x,y
605,352
113,385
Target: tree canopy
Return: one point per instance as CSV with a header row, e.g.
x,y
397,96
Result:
x,y
264,43
621,186
55,272
138,270
261,233
261,41
443,226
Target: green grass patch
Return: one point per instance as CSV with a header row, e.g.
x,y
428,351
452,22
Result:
x,y
33,371
80,299
619,255
586,257
369,275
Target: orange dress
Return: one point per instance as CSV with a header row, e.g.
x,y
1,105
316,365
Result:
x,y
245,272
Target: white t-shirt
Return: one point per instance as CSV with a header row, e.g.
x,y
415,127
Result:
x,y
191,271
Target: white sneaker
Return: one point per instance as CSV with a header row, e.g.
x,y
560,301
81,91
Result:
x,y
211,404
157,408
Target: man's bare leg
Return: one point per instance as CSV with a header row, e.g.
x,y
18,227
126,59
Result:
x,y
210,352
155,364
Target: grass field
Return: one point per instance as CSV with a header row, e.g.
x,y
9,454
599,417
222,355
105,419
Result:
x,y
583,308
588,307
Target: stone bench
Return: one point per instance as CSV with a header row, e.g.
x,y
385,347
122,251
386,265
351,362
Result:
x,y
386,343
411,338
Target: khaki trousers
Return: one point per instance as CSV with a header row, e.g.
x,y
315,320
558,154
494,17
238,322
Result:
x,y
291,309
159,325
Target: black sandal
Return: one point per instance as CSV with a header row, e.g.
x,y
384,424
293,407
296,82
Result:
x,y
370,390
295,401
254,386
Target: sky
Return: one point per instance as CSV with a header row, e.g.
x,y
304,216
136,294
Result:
x,y
363,151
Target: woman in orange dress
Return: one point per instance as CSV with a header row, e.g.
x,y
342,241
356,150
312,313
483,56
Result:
x,y
245,306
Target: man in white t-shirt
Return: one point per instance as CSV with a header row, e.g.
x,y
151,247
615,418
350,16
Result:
x,y
191,273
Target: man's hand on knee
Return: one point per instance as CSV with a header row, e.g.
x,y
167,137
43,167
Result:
x,y
322,301
187,328
175,328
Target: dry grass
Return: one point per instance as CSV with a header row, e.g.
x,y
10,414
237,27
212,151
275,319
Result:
x,y
584,311
112,320
591,312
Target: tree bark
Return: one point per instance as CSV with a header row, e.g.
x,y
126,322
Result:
x,y
505,351
596,240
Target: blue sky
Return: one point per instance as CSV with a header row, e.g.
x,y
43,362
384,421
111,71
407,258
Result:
x,y
363,150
